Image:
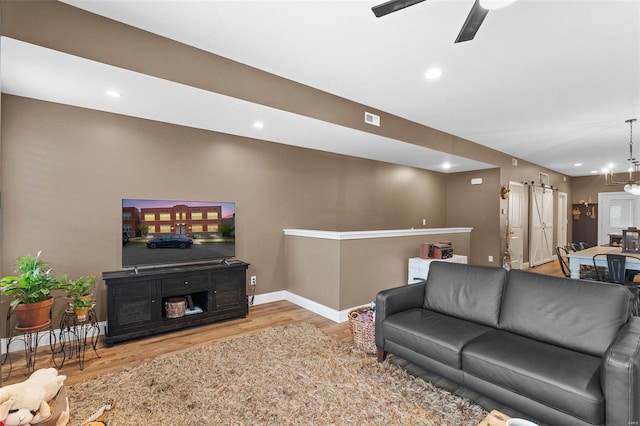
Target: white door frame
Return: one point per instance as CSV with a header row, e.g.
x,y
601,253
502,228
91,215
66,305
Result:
x,y
563,221
517,206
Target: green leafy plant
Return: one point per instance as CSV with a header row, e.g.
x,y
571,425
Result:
x,y
83,303
32,283
81,286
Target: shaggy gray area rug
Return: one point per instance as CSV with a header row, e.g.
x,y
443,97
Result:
x,y
289,375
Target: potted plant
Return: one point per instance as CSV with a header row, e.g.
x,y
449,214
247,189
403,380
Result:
x,y
31,289
80,288
81,308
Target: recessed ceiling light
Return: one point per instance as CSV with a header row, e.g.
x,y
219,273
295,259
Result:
x,y
433,73
594,172
578,164
114,93
446,166
495,4
258,125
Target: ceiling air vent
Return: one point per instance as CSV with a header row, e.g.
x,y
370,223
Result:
x,y
373,119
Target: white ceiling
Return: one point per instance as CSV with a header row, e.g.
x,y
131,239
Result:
x,y
549,81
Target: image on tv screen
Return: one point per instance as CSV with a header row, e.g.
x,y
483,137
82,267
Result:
x,y
161,232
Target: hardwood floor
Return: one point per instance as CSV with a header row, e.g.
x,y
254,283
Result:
x,y
140,350
550,268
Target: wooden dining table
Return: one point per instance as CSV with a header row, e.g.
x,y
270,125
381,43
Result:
x,y
585,257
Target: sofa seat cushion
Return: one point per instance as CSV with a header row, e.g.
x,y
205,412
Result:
x,y
432,334
561,378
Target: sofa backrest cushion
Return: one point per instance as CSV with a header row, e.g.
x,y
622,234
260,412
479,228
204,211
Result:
x,y
581,315
464,291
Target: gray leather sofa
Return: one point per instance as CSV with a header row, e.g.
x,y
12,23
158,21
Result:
x,y
565,352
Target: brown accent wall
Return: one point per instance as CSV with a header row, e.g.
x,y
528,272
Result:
x,y
477,206
313,269
386,262
589,186
341,274
56,158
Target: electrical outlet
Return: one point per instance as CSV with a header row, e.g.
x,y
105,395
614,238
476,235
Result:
x,y
490,258
253,280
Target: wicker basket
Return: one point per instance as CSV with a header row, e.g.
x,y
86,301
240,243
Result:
x,y
363,329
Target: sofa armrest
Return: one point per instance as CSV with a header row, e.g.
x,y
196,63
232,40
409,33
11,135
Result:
x,y
620,376
397,299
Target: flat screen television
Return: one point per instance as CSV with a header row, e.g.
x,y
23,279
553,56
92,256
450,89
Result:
x,y
168,232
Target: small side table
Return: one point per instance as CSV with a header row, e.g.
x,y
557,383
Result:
x,y
30,337
419,267
76,335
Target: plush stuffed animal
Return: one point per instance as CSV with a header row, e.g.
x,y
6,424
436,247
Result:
x,y
42,385
27,402
22,416
5,407
50,381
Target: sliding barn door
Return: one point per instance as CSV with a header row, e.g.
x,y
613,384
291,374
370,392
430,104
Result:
x,y
541,227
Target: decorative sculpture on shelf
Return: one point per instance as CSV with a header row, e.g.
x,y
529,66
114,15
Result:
x,y
504,192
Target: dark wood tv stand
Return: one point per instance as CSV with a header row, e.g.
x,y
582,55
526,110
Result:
x,y
136,302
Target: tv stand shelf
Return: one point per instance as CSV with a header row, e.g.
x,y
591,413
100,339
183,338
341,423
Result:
x,y
135,302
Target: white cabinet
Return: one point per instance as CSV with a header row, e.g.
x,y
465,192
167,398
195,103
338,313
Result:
x,y
419,267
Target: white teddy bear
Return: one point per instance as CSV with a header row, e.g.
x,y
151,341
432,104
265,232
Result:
x,y
23,416
26,402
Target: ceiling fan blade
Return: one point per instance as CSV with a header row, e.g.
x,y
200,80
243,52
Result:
x,y
472,23
392,6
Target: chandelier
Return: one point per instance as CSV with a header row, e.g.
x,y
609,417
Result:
x,y
632,184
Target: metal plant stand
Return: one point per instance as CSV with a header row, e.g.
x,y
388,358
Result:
x,y
29,338
76,335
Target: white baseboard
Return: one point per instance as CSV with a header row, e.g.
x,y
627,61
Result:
x,y
315,307
276,296
310,305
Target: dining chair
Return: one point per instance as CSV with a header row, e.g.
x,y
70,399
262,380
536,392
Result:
x,y
602,272
586,272
574,247
617,273
583,245
561,252
616,264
